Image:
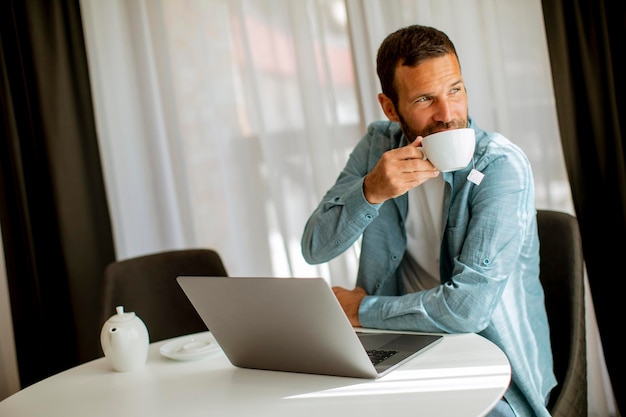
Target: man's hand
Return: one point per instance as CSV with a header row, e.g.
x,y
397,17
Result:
x,y
397,171
350,301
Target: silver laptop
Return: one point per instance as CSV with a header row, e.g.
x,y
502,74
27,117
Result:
x,y
294,325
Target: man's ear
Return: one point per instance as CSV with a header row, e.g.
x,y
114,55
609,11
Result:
x,y
387,105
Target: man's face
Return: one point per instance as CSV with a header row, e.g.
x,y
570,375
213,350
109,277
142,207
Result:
x,y
431,97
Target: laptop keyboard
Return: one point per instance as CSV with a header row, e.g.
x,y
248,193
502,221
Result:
x,y
379,355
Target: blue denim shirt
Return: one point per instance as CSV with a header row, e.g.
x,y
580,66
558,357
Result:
x,y
489,262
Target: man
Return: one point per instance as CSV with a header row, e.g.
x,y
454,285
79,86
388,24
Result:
x,y
453,252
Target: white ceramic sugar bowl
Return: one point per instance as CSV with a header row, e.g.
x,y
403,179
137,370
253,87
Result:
x,y
125,341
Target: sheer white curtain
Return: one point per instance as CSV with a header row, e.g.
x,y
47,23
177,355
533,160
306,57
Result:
x,y
223,122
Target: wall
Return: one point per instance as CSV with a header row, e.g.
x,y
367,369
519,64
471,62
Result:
x,y
9,379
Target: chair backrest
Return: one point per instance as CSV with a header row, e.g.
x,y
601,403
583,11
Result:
x,y
147,286
562,277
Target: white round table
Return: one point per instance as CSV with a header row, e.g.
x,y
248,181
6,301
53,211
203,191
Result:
x,y
463,375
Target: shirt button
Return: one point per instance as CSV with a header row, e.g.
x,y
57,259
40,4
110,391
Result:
x,y
486,261
337,242
368,216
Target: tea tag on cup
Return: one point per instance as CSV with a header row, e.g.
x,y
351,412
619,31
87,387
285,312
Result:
x,y
475,176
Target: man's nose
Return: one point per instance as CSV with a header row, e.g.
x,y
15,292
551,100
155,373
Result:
x,y
442,111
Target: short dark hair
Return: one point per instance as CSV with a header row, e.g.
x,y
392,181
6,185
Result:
x,y
409,46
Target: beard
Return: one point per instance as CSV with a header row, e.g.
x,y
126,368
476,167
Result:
x,y
411,134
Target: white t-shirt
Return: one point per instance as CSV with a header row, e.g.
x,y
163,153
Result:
x,y
420,266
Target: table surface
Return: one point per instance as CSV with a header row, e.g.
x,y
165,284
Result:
x,y
463,375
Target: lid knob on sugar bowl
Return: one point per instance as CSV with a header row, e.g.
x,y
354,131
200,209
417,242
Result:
x,y
125,341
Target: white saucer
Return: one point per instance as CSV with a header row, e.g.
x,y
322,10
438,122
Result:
x,y
189,348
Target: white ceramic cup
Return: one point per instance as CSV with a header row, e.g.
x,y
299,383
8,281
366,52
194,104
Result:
x,y
449,150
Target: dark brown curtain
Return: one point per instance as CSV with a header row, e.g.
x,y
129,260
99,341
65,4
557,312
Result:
x,y
53,210
585,40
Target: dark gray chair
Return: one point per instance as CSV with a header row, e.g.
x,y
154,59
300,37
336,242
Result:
x,y
147,286
562,277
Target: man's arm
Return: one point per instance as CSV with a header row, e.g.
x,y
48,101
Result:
x,y
352,203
